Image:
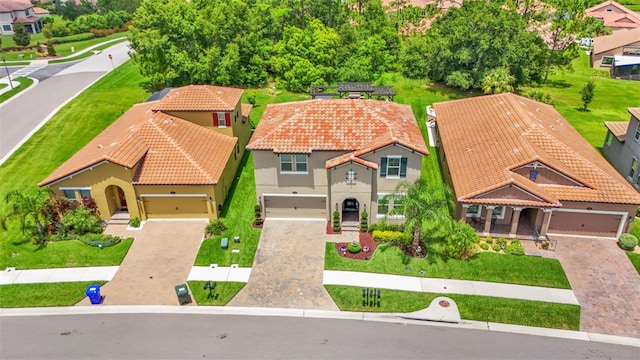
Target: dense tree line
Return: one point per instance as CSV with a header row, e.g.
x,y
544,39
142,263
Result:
x,y
494,45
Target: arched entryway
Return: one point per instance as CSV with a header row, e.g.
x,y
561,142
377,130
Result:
x,y
117,201
527,221
350,209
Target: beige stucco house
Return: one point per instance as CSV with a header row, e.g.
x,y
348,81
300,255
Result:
x,y
518,168
171,158
317,156
606,48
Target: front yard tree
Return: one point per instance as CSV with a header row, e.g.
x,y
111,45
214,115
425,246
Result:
x,y
587,94
28,208
20,35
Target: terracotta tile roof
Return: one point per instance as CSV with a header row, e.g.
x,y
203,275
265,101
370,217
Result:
x,y
40,11
624,18
616,40
485,138
200,98
356,126
246,109
635,112
170,151
617,128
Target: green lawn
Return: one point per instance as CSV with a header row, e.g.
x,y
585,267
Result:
x,y
24,84
7,40
471,307
44,294
61,49
86,54
485,266
70,129
222,294
635,260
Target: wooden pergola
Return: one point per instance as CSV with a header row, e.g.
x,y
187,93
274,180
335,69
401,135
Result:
x,y
352,90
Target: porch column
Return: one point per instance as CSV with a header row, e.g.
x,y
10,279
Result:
x,y
545,222
487,220
515,219
463,214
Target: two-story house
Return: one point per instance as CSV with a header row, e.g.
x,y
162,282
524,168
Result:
x,y
21,11
317,156
622,146
518,169
175,157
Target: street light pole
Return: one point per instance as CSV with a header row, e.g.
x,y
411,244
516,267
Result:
x,y
4,61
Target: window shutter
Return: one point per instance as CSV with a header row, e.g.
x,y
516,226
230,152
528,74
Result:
x,y
383,167
214,119
403,167
227,119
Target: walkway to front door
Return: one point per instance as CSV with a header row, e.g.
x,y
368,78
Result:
x,y
288,268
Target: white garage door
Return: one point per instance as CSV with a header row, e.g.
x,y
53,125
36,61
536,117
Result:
x,y
295,206
584,223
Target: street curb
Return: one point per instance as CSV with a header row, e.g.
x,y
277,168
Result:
x,y
319,314
35,82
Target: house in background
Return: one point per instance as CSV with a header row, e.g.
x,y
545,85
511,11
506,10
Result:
x,y
316,156
615,16
622,147
175,157
620,44
22,11
518,169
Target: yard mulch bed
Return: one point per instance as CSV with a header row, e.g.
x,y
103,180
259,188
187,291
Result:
x,y
330,229
365,241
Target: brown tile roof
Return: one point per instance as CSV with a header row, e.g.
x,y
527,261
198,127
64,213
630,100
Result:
x,y
485,138
40,11
170,151
357,126
12,5
618,128
200,98
617,39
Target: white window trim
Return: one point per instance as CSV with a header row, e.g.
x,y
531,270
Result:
x,y
501,216
602,63
636,136
75,189
399,157
632,170
390,206
222,124
293,165
474,214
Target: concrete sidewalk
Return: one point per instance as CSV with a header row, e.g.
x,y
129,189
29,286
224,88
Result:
x,y
219,273
11,276
449,286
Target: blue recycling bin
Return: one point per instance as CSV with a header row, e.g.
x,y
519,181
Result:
x,y
93,292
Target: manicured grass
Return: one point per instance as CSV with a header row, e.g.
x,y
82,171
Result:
x,y
61,49
485,266
87,54
222,294
68,131
635,260
24,84
7,40
43,294
471,307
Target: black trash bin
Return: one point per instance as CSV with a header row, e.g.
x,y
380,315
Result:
x,y
182,291
93,292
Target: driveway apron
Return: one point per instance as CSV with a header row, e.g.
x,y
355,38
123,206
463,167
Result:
x,y
605,283
160,258
288,267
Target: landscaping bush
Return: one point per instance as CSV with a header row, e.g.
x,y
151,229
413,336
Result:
x,y
515,248
384,226
484,246
215,227
460,240
336,221
135,222
81,221
502,242
51,50
364,222
100,240
628,242
72,38
257,210
354,248
488,240
496,248
397,238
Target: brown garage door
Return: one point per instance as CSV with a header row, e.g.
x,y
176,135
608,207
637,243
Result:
x,y
295,206
584,224
175,207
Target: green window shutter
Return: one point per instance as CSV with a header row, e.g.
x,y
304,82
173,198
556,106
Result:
x,y
383,167
403,167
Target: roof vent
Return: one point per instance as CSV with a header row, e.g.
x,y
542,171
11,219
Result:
x,y
467,149
99,146
516,151
516,125
508,113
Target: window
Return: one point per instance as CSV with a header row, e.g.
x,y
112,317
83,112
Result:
x,y
393,167
222,123
607,60
634,166
637,136
383,205
533,174
85,193
290,163
6,27
69,194
473,211
398,201
351,177
498,212
610,138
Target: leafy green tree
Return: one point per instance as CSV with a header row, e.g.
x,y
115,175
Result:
x,y
368,63
129,6
51,50
461,238
69,10
20,35
28,208
587,94
497,81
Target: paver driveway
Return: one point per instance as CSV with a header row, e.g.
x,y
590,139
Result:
x,y
288,267
160,258
605,283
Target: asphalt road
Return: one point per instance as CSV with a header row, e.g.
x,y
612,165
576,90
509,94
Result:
x,y
176,336
21,116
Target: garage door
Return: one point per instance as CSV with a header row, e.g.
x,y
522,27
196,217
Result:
x,y
295,206
175,207
584,223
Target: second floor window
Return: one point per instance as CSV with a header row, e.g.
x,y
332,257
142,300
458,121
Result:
x,y
634,166
293,163
637,136
393,167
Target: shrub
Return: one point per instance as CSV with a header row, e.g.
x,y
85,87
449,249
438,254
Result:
x,y
258,214
215,227
336,221
484,246
397,238
540,96
100,240
488,240
628,242
496,248
81,221
460,240
354,248
364,221
502,242
72,38
51,50
515,248
384,226
135,222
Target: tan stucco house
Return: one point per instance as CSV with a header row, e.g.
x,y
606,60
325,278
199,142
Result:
x,y
175,157
518,168
607,48
317,156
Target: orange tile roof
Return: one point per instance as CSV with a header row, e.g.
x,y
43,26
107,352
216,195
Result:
x,y
246,109
613,18
485,137
357,126
170,151
200,98
617,128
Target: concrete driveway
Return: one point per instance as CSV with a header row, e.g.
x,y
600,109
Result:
x,y
288,267
605,283
160,258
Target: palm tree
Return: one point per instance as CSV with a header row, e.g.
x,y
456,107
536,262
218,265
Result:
x,y
498,80
26,207
421,202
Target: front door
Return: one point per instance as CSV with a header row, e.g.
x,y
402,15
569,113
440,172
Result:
x,y
123,199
